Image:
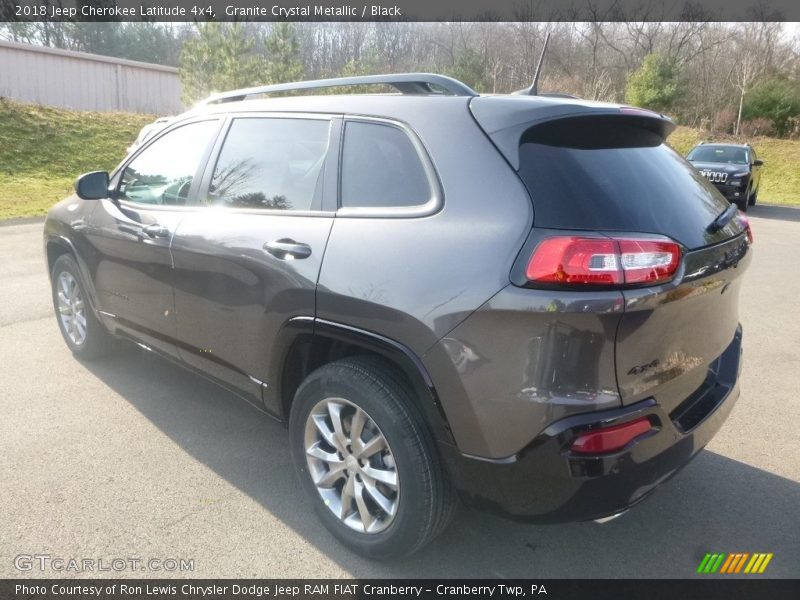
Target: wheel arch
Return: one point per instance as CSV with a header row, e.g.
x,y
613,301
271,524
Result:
x,y
56,246
305,344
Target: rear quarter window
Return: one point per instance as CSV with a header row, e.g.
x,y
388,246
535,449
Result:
x,y
381,168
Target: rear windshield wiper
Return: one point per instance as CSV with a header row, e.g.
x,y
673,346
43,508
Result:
x,y
723,219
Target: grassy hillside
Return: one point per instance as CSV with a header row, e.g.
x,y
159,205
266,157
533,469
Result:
x,y
43,149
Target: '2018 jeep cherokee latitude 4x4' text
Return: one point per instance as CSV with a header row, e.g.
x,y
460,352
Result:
x,y
529,303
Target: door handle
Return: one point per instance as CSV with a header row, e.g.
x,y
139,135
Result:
x,y
156,231
286,248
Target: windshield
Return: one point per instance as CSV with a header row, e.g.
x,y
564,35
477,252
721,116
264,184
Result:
x,y
719,154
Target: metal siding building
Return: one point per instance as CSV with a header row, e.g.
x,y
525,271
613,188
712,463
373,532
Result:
x,y
86,81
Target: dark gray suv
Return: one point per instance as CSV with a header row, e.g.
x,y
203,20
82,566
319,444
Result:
x,y
527,303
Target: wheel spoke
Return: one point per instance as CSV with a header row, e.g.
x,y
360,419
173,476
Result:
x,y
376,444
386,505
335,472
348,492
363,510
317,452
356,428
388,478
80,329
63,301
335,412
325,431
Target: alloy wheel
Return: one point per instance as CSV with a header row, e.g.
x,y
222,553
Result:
x,y
352,465
71,308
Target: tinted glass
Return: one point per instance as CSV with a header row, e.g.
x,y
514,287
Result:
x,y
381,168
274,164
634,188
164,171
719,154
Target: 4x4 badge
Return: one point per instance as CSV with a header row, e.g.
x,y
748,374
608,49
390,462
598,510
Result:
x,y
639,369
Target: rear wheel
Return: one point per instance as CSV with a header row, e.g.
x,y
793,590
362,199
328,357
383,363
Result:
x,y
366,459
83,333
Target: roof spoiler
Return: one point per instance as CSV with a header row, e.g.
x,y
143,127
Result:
x,y
506,120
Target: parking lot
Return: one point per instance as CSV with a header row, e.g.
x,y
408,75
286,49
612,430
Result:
x,y
133,457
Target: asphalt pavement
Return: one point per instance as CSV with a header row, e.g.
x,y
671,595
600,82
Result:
x,y
132,457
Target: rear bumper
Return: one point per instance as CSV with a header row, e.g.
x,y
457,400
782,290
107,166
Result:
x,y
546,482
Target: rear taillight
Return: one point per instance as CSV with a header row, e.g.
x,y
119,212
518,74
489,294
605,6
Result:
x,y
610,439
603,261
746,224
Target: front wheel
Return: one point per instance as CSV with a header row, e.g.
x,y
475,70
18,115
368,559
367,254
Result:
x,y
366,459
753,198
742,203
84,334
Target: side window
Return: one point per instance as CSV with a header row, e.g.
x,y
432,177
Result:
x,y
381,168
163,172
271,163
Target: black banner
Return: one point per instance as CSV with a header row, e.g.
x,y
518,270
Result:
x,y
424,589
399,10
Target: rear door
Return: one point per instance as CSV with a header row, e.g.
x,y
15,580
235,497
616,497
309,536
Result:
x,y
131,234
616,175
248,258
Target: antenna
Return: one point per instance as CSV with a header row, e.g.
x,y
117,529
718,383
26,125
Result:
x,y
534,89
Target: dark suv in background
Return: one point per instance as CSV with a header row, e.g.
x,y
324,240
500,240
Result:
x,y
529,303
734,170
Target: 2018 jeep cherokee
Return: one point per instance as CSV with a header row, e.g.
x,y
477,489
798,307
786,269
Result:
x,y
527,302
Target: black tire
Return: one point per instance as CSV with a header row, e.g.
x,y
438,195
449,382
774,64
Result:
x,y
741,203
97,341
753,198
425,501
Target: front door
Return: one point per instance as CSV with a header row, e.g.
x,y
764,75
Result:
x,y
131,233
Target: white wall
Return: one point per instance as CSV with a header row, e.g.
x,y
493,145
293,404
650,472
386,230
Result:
x,y
86,81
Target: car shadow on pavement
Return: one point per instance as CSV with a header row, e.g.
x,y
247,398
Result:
x,y
775,211
714,505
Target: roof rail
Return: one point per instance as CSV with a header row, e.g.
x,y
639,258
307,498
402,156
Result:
x,y
405,83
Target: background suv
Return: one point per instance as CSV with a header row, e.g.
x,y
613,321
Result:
x,y
732,168
527,302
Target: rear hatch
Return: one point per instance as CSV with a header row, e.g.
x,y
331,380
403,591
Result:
x,y
607,169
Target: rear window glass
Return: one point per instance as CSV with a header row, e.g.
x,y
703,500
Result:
x,y
616,178
381,168
719,154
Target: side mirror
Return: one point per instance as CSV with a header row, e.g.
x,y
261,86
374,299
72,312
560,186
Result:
x,y
758,162
92,186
